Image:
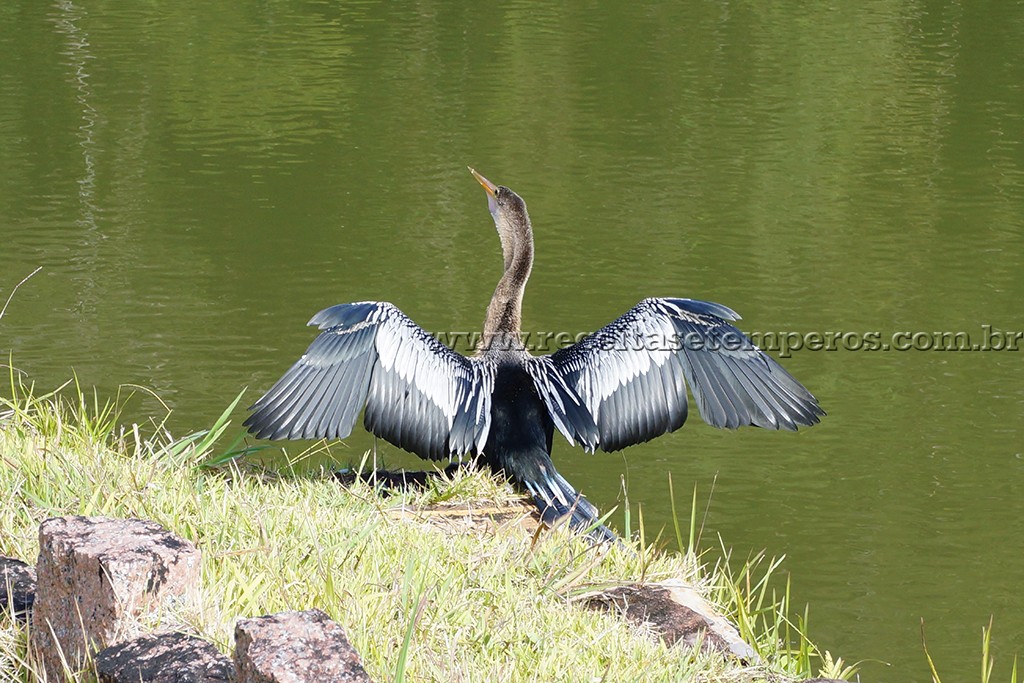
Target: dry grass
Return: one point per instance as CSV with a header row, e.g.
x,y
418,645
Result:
x,y
420,600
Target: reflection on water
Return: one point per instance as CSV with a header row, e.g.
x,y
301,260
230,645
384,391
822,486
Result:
x,y
197,182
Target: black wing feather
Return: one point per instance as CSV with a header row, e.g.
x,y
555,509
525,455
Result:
x,y
631,376
419,394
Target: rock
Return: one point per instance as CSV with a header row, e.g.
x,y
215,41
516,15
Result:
x,y
295,647
677,613
163,658
17,587
97,577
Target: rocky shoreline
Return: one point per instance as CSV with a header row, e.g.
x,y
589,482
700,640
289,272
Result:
x,y
99,581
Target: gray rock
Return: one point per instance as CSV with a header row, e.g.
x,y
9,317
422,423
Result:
x,y
295,647
676,613
17,587
163,658
96,576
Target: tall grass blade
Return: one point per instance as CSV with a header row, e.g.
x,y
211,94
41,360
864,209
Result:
x,y
675,515
13,291
931,664
986,657
193,447
419,598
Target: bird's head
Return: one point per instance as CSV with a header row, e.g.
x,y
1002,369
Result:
x,y
507,208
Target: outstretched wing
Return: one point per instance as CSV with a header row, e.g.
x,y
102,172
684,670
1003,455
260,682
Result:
x,y
632,376
419,394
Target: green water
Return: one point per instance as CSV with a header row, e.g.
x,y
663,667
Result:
x,y
197,180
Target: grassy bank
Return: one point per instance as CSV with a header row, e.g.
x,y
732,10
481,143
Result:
x,y
420,601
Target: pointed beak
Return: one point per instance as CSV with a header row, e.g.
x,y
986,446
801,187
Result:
x,y
488,185
492,193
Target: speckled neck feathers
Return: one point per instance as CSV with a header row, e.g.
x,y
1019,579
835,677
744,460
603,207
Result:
x,y
504,314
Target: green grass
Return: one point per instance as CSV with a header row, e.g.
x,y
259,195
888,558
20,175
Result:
x,y
419,602
987,661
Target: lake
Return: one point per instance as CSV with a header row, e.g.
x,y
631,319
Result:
x,y
196,181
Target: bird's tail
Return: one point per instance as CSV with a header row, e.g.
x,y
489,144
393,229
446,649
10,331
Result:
x,y
553,495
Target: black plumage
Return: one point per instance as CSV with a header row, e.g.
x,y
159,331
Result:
x,y
622,385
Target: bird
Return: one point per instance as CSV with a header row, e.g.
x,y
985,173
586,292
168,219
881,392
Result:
x,y
622,385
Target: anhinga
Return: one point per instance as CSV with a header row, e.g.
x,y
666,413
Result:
x,y
622,385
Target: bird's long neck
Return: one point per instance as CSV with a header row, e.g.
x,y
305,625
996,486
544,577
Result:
x,y
504,314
